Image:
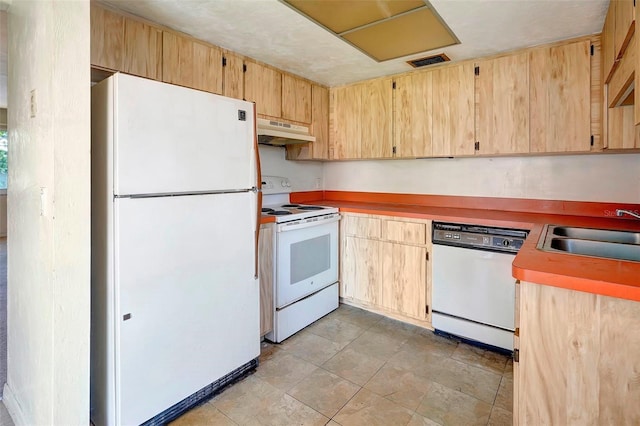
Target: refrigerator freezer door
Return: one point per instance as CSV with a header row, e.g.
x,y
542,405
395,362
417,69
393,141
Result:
x,y
171,139
187,303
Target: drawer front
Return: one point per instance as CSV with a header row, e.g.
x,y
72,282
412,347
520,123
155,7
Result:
x,y
405,232
364,227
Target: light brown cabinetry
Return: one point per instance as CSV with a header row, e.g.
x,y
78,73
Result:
x,y
266,276
608,49
233,75
453,116
107,38
502,105
560,98
624,26
296,99
189,63
318,150
413,115
361,120
384,265
263,85
578,360
142,50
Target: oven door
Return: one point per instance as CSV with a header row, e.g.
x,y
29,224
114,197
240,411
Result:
x,y
307,257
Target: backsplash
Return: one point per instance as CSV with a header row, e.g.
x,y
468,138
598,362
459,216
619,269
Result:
x,y
304,175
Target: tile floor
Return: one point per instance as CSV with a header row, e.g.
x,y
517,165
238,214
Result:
x,y
354,367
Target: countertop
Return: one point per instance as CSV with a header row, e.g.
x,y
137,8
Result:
x,y
607,277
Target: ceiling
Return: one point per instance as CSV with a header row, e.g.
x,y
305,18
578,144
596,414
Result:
x,y
271,32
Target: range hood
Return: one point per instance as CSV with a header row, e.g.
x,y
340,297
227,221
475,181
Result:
x,y
277,133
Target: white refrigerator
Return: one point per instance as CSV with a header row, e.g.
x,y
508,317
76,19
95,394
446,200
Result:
x,y
175,299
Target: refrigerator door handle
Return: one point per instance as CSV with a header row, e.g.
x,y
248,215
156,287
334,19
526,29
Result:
x,y
258,189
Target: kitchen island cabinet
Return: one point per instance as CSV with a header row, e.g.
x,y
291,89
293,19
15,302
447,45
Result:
x,y
384,266
578,358
266,247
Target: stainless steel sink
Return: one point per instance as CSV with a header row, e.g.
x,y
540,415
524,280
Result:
x,y
602,243
597,248
624,237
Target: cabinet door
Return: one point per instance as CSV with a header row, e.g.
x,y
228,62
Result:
x,y
608,42
233,80
296,99
377,138
177,59
404,282
413,115
263,85
345,125
361,270
207,68
502,87
453,114
318,150
625,16
560,98
142,50
107,32
265,252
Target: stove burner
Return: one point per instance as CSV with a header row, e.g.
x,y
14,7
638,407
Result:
x,y
266,210
290,205
310,208
279,213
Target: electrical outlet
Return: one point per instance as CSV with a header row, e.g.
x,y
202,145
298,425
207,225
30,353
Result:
x,y
34,105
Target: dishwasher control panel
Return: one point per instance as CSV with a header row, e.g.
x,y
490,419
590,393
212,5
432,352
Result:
x,y
480,237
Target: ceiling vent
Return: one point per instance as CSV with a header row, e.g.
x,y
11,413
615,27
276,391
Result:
x,y
429,60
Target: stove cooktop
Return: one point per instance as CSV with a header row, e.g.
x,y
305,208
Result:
x,y
291,211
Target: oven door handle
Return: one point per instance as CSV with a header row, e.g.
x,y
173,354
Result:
x,y
294,226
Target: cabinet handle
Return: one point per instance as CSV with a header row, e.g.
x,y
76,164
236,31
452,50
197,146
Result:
x,y
516,355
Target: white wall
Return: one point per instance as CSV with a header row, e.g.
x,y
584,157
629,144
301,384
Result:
x,y
48,259
304,175
604,177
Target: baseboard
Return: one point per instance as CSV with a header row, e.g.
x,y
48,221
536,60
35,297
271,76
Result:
x,y
13,406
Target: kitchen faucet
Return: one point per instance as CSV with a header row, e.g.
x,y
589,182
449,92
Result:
x,y
620,212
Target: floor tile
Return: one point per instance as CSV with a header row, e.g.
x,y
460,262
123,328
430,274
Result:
x,y
336,330
205,414
394,328
488,360
508,370
255,402
284,371
267,351
418,420
398,385
324,392
422,363
353,366
504,398
428,342
474,381
369,409
378,345
500,417
450,407
311,347
359,317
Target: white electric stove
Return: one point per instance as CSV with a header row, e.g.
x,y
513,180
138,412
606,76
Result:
x,y
306,259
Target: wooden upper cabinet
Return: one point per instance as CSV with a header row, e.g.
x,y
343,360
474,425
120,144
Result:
x,y
608,42
233,75
318,150
345,122
376,115
560,103
142,49
189,63
107,34
502,105
413,113
453,110
624,26
263,85
296,99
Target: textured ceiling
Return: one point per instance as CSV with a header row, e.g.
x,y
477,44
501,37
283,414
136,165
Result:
x,y
271,32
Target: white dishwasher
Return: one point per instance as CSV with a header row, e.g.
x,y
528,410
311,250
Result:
x,y
473,288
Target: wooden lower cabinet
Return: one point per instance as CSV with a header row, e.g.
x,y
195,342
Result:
x,y
384,266
266,247
579,358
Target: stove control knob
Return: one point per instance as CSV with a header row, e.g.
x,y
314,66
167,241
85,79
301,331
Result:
x,y
288,184
284,183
